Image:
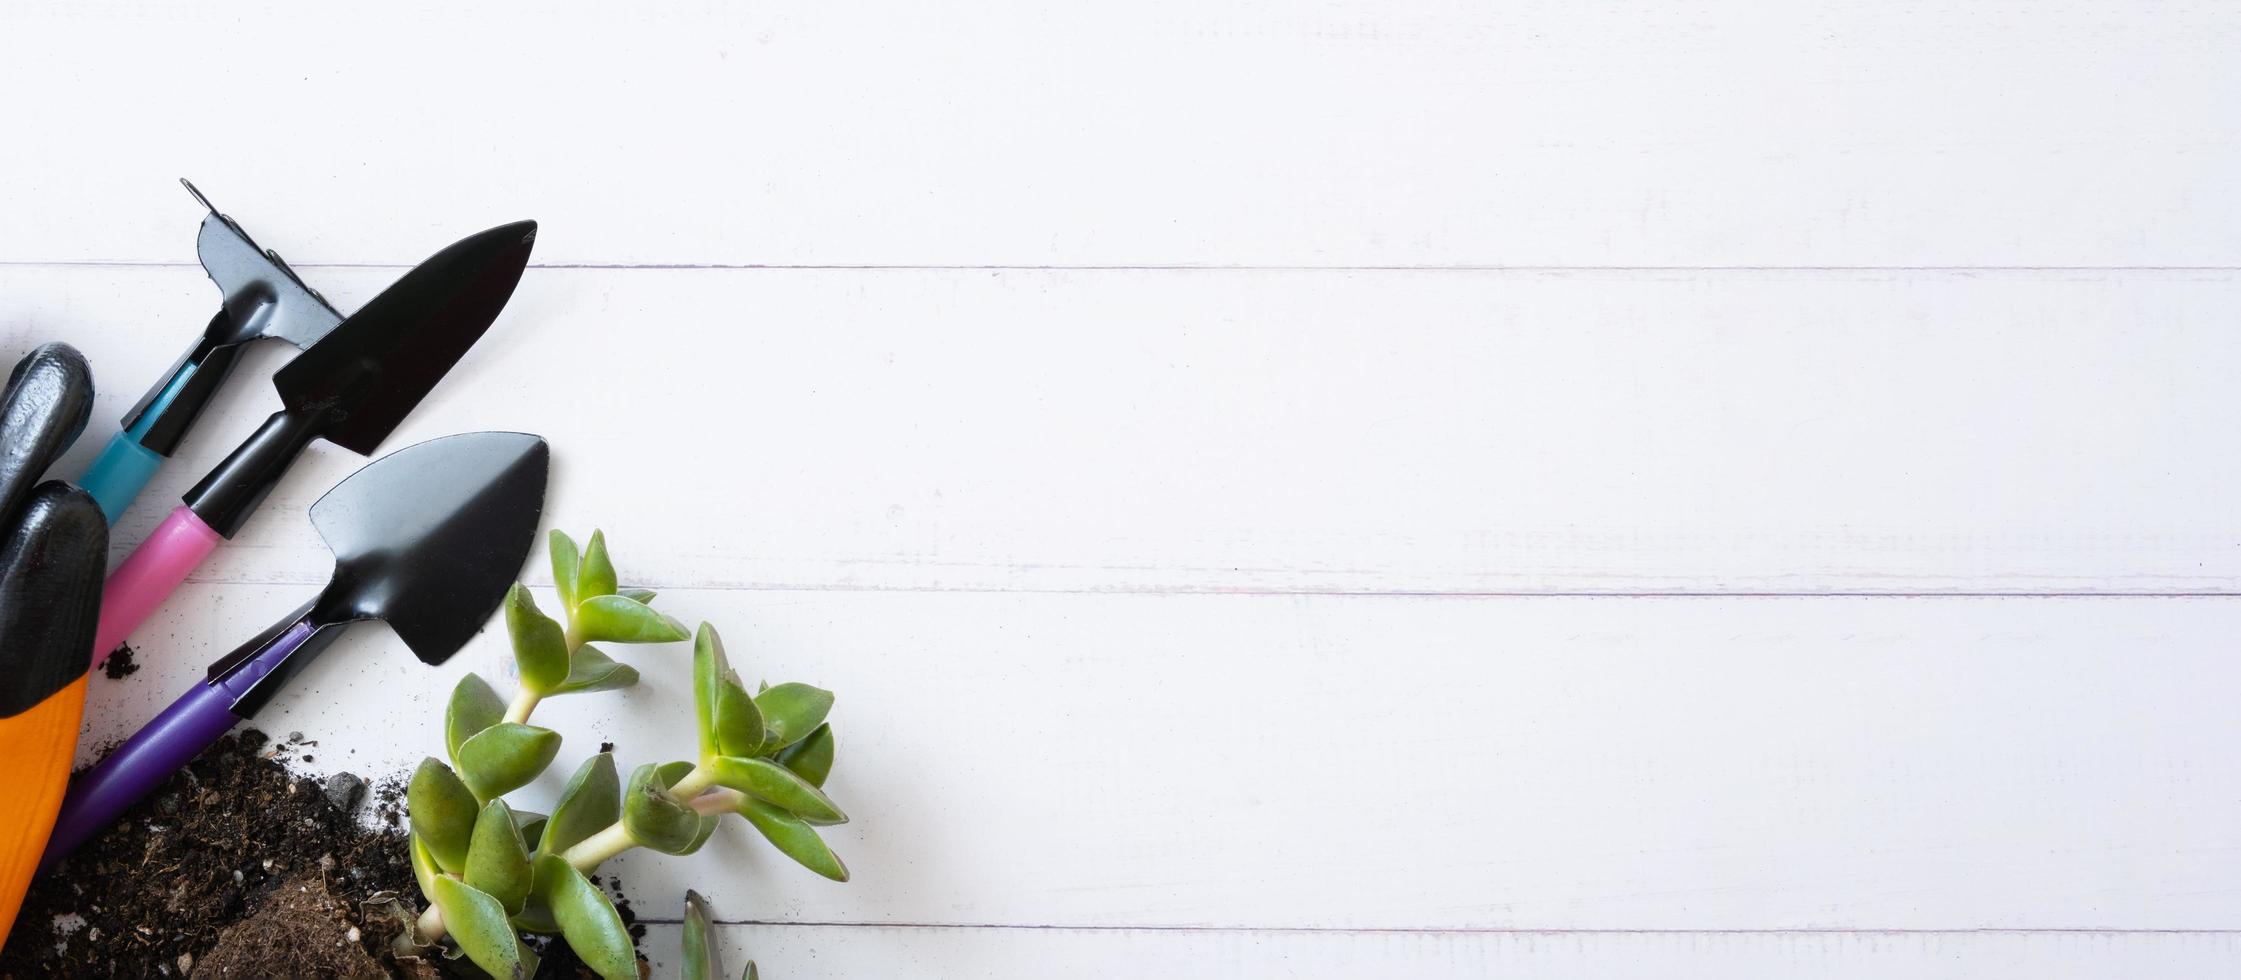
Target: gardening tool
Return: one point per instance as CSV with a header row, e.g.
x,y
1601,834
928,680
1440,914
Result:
x,y
427,539
260,298
53,542
350,388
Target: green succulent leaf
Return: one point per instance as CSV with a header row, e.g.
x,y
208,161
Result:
x,y
702,959
709,672
792,711
591,801
638,595
768,781
423,866
587,920
739,723
478,922
529,827
652,818
535,916
565,560
474,706
497,864
614,619
668,774
812,757
596,576
700,837
592,670
751,974
793,838
443,813
540,645
505,757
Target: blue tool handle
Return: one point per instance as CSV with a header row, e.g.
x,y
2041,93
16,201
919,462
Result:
x,y
128,462
119,474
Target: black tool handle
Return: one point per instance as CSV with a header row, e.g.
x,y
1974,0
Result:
x,y
162,417
225,499
252,673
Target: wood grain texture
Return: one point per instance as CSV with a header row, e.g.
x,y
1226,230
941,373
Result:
x,y
1197,132
1464,432
1344,762
805,953
1179,430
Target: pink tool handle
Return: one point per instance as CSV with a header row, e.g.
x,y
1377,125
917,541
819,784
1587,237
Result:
x,y
153,572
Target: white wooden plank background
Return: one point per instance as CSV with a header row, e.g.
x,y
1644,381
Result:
x,y
1396,762
816,951
1315,431
1423,489
1197,132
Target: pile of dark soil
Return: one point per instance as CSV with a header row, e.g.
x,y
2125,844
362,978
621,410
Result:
x,y
150,896
237,867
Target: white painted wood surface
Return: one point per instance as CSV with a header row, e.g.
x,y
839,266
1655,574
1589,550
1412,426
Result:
x,y
1398,762
1365,431
1333,489
817,951
1196,132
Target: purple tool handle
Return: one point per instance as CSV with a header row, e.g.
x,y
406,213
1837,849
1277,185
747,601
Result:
x,y
164,746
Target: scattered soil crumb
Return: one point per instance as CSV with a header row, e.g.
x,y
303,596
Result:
x,y
118,665
622,907
606,746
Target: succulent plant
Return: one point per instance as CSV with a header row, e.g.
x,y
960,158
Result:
x,y
491,872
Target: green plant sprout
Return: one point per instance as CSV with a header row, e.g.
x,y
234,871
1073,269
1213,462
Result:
x,y
491,872
701,959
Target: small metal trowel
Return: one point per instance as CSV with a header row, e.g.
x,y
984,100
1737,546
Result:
x,y
426,539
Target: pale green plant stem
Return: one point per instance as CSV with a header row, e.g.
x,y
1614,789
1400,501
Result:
x,y
720,801
695,783
592,851
589,852
525,701
430,928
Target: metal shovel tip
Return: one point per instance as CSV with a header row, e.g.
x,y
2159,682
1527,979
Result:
x,y
430,537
